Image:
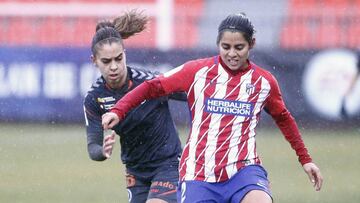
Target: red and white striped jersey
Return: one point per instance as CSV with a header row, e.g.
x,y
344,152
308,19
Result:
x,y
225,108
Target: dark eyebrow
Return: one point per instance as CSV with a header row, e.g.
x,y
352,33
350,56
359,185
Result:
x,y
225,44
236,45
119,55
115,57
239,45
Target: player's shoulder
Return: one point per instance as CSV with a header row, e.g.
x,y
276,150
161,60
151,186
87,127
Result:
x,y
262,72
96,89
195,65
201,62
139,74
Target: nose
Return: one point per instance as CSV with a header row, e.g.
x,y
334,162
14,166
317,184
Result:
x,y
113,66
232,52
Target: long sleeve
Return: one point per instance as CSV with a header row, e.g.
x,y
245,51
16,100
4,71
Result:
x,y
276,108
95,152
94,130
176,80
147,90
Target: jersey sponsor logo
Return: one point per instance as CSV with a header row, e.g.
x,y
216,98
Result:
x,y
221,106
105,99
107,106
106,102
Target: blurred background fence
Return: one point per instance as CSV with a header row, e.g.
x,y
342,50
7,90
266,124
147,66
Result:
x,y
311,46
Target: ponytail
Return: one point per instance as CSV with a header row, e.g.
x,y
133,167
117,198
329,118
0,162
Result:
x,y
120,28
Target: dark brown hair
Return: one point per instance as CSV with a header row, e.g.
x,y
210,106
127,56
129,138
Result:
x,y
237,23
120,28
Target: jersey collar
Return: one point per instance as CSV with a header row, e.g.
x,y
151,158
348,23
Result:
x,y
234,72
125,88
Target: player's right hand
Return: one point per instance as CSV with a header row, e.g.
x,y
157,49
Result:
x,y
109,120
108,144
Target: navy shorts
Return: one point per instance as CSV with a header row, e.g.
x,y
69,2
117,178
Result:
x,y
162,185
252,177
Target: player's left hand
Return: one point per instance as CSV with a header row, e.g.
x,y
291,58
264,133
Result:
x,y
314,175
109,120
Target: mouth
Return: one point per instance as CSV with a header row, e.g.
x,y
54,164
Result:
x,y
233,62
113,76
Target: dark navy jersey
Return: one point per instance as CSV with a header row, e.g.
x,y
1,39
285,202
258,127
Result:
x,y
148,136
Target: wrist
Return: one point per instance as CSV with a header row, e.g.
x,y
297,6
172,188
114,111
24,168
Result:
x,y
118,113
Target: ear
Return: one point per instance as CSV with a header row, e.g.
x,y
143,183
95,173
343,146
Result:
x,y
124,57
253,42
93,59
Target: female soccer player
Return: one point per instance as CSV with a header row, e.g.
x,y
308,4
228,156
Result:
x,y
226,94
150,146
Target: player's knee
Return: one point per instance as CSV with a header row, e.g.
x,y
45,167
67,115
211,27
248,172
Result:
x,y
156,200
257,196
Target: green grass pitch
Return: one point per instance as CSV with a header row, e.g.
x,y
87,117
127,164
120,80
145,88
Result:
x,y
49,163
